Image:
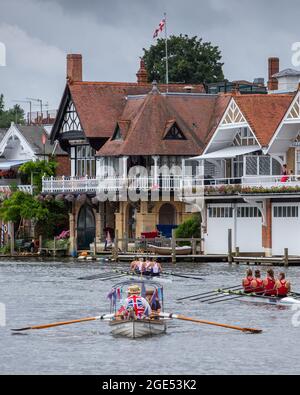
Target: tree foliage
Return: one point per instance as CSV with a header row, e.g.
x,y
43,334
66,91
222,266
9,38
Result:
x,y
22,205
190,228
15,114
36,170
190,61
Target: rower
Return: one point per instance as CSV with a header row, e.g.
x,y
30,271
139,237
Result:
x,y
257,283
140,267
247,282
147,267
156,268
269,284
133,265
153,301
283,286
135,305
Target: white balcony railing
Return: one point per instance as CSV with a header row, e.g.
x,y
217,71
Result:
x,y
94,185
24,188
164,183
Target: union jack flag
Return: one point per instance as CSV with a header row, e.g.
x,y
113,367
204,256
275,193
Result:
x,y
160,28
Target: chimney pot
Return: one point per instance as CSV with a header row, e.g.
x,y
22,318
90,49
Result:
x,y
74,68
273,69
142,75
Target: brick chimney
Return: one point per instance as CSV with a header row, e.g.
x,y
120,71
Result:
x,y
273,69
74,68
142,75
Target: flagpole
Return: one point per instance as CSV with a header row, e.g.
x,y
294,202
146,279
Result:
x,y
167,55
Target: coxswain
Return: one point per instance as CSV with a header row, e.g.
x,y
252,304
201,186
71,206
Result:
x,y
156,268
283,286
247,281
269,283
257,283
135,305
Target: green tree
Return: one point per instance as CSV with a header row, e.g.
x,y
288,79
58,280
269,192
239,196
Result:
x,y
15,114
190,61
2,104
20,206
34,171
190,228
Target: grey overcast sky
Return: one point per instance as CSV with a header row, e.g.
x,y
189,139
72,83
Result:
x,y
111,34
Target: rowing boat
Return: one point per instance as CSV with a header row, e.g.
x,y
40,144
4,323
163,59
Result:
x,y
168,250
138,328
147,278
253,298
131,327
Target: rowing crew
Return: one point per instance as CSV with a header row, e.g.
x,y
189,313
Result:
x,y
267,287
149,267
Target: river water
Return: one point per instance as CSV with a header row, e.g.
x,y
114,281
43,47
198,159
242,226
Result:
x,y
43,292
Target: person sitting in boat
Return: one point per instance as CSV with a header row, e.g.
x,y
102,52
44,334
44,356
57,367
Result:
x,y
257,283
147,267
156,268
247,281
135,305
283,286
269,284
154,303
134,265
140,266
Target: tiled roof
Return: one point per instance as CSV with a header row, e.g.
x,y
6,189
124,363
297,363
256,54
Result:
x,y
264,113
33,135
100,104
150,116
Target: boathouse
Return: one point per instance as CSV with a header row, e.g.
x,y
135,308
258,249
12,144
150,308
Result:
x,y
234,145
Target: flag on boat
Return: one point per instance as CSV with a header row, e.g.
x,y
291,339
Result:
x,y
160,28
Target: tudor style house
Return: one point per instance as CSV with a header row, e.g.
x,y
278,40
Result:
x,y
243,139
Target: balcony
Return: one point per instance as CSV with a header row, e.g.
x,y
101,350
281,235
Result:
x,y
115,184
249,184
253,185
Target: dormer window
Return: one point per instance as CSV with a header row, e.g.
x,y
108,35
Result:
x,y
174,133
117,135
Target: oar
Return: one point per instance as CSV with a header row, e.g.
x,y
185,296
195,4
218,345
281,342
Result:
x,y
55,324
207,293
115,277
220,291
183,276
96,276
197,321
229,299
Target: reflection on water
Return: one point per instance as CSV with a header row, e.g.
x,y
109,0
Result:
x,y
37,293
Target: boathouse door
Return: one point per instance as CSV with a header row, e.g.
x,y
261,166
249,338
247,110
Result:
x,y
285,228
86,228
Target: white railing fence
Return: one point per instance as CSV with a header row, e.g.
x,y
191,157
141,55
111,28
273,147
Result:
x,y
163,183
24,188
